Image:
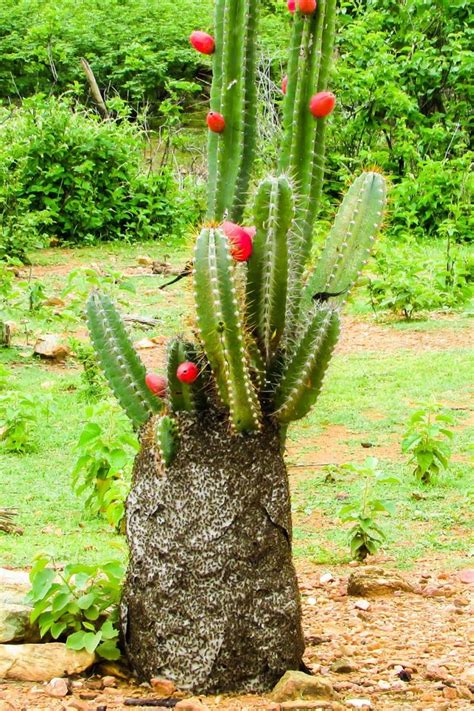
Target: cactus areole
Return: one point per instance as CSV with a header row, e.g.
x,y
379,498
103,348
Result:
x,y
211,597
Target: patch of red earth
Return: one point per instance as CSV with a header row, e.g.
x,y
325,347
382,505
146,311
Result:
x,y
360,335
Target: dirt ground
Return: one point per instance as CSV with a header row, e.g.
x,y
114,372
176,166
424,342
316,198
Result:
x,y
406,651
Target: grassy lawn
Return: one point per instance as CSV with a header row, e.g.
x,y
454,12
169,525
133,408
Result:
x,y
367,399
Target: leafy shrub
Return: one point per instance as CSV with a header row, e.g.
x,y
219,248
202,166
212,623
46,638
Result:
x,y
134,48
366,535
20,415
94,385
106,449
427,440
79,179
79,604
407,279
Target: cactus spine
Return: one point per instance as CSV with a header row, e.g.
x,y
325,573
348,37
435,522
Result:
x,y
264,340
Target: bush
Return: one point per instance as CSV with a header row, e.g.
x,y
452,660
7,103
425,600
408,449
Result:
x,y
68,176
408,278
134,48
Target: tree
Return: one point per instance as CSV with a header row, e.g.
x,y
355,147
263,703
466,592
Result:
x,y
211,597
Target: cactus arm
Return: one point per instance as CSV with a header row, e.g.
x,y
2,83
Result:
x,y
303,375
122,367
319,141
233,94
221,329
167,438
350,239
267,275
183,396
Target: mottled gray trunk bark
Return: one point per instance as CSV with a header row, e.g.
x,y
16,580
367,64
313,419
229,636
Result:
x,y
211,598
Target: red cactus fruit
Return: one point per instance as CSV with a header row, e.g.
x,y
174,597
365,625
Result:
x,y
240,241
250,231
215,121
238,237
187,372
322,104
284,84
156,383
203,42
307,7
291,5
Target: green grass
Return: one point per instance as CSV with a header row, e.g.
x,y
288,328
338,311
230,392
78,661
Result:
x,y
368,395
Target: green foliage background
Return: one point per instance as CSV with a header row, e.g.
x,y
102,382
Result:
x,y
403,80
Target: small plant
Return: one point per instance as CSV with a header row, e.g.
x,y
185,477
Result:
x,y
366,535
19,416
427,440
106,449
93,382
78,604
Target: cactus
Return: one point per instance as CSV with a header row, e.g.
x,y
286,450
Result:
x,y
262,333
208,514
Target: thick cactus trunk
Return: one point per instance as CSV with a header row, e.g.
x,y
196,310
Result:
x,y
211,598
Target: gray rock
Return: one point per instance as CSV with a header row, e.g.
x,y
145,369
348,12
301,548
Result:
x,y
15,612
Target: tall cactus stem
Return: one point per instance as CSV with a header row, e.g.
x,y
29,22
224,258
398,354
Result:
x,y
233,94
267,276
303,375
221,328
122,367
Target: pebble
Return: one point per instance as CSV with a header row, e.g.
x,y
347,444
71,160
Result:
x,y
57,688
108,681
450,692
362,604
359,703
326,578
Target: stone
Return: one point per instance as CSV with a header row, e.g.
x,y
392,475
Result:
x,y
376,581
18,579
192,704
466,576
326,578
362,604
144,344
384,685
109,681
307,705
77,704
296,685
7,706
57,687
163,687
359,703
450,692
49,346
468,675
41,662
15,623
343,666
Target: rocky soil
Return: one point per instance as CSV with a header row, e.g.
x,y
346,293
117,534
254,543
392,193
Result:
x,y
394,643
